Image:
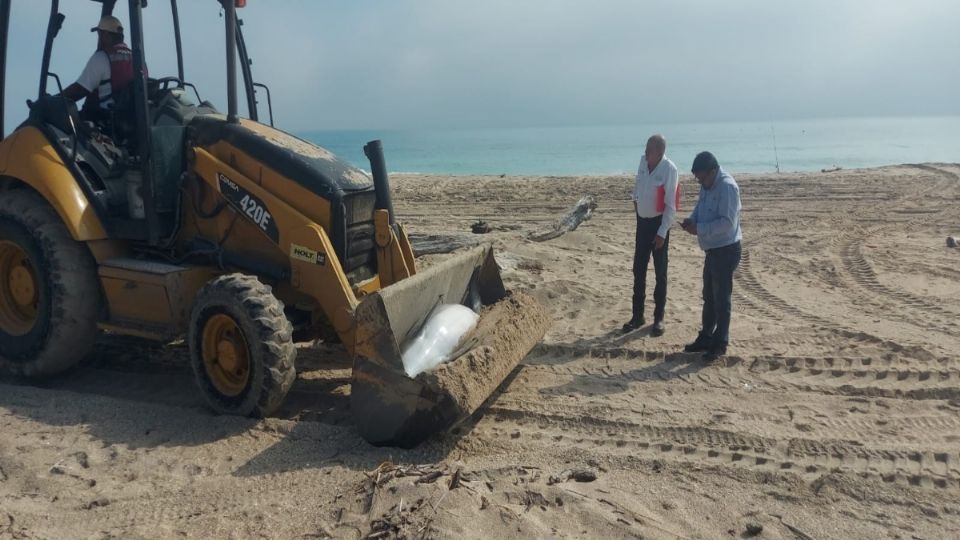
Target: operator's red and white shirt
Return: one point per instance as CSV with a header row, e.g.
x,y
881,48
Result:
x,y
106,70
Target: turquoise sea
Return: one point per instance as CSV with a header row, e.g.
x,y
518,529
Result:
x,y
794,145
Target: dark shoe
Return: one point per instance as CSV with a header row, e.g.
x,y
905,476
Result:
x,y
701,344
658,328
633,324
714,353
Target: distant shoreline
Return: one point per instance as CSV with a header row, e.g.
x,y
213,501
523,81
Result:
x,y
802,146
752,174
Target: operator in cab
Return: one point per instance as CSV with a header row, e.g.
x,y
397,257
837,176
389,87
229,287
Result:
x,y
107,74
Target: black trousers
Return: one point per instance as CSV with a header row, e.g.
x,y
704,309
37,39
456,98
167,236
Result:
x,y
718,269
646,233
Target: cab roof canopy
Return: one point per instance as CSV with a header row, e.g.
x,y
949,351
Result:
x,y
56,20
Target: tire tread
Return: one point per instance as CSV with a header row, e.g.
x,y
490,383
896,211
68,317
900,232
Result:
x,y
77,299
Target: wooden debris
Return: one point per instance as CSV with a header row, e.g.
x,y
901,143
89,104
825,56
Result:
x,y
797,532
398,521
381,528
442,497
579,475
581,212
481,227
800,534
387,471
455,480
429,478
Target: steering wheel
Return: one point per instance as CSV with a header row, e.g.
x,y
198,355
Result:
x,y
164,83
160,87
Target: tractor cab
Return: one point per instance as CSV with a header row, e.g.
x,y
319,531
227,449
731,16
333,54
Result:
x,y
129,162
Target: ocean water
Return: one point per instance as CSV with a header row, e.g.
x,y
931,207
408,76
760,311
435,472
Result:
x,y
795,145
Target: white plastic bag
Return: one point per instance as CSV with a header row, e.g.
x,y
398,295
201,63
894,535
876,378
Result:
x,y
441,334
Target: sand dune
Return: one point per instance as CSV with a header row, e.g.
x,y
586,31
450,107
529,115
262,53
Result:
x,y
836,414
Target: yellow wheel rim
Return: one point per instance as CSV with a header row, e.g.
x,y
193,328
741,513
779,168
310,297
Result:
x,y
19,290
225,355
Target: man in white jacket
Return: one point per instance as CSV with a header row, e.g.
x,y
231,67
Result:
x,y
655,205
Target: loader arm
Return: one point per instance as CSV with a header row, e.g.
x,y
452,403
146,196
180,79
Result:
x,y
394,253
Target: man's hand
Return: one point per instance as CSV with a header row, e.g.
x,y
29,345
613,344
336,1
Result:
x,y
658,242
689,226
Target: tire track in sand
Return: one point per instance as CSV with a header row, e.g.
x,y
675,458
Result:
x,y
912,309
705,446
868,377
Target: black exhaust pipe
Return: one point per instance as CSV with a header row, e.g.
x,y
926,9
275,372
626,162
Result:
x,y
381,182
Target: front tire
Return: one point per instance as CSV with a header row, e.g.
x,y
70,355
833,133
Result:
x,y
241,346
50,296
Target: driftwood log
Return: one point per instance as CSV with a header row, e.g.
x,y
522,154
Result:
x,y
431,244
568,222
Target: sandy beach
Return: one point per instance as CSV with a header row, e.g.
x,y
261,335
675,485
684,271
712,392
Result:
x,y
836,413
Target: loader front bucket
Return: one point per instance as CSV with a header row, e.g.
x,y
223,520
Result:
x,y
390,408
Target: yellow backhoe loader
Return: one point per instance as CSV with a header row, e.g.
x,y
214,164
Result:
x,y
167,218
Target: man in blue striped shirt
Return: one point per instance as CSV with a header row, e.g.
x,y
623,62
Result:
x,y
716,223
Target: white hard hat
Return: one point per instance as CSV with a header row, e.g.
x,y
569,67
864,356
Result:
x,y
109,24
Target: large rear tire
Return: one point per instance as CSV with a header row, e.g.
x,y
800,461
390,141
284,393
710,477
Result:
x,y
50,296
241,346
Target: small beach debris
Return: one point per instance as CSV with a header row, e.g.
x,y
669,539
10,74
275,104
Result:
x,y
832,169
530,265
579,475
96,503
455,479
481,227
388,471
581,212
429,478
951,242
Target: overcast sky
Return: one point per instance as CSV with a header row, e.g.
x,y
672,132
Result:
x,y
452,63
